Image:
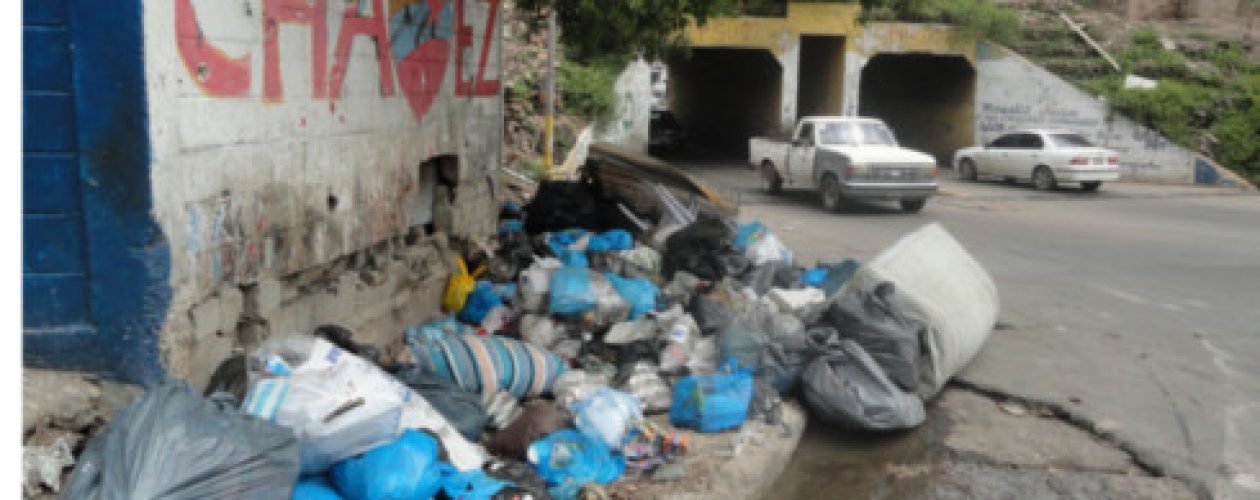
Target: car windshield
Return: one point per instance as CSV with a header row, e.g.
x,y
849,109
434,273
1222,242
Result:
x,y
855,134
1069,141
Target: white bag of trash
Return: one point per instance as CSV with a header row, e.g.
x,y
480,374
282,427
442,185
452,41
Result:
x,y
768,249
340,405
943,286
535,282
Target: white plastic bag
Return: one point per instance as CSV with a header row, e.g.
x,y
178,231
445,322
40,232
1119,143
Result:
x,y
540,330
340,405
535,282
768,249
941,284
606,415
610,306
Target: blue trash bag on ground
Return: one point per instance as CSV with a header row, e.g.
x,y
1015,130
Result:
x,y
711,403
747,234
611,241
471,485
406,468
838,274
567,459
573,258
571,291
639,292
315,488
479,303
815,277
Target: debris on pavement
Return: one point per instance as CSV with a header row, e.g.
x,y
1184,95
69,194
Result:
x,y
623,332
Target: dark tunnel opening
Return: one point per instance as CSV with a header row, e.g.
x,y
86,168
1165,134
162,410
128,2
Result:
x,y
926,99
723,96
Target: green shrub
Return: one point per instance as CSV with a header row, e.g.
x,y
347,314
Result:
x,y
535,169
588,89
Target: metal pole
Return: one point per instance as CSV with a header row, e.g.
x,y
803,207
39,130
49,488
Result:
x,y
549,125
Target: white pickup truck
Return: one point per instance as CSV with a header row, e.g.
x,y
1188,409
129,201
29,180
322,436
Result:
x,y
845,158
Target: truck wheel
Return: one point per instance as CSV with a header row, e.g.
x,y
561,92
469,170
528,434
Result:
x,y
1043,179
832,198
770,179
913,205
967,170
1090,186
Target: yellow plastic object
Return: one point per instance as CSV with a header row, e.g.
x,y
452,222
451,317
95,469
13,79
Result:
x,y
459,286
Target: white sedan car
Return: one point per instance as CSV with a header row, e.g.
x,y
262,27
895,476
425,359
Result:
x,y
1047,158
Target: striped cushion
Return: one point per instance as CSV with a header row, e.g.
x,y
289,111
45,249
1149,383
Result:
x,y
489,364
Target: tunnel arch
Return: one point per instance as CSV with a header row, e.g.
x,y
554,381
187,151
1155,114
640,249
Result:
x,y
927,99
724,95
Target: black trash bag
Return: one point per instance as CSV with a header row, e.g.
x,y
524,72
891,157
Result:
x,y
230,378
785,357
560,205
773,274
343,338
875,322
461,408
846,388
639,350
523,478
699,249
712,316
171,443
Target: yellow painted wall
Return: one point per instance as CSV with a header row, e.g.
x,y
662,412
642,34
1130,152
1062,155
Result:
x,y
777,33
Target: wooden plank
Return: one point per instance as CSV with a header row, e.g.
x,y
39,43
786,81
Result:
x,y
1085,36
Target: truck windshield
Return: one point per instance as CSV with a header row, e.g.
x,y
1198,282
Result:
x,y
855,134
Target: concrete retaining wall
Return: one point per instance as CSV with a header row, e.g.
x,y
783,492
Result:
x,y
296,142
1012,93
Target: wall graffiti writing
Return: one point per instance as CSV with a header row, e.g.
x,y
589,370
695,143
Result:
x,y
413,41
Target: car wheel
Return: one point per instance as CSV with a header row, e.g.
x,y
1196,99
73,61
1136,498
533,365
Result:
x,y
1090,186
832,198
770,179
1043,179
967,170
913,205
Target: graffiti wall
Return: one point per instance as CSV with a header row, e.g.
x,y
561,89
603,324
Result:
x,y
1013,93
288,133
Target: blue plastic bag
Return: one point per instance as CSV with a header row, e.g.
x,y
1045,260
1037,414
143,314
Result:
x,y
747,234
406,468
838,274
571,291
471,485
569,458
815,277
511,226
479,303
639,292
315,488
712,403
506,291
573,258
611,241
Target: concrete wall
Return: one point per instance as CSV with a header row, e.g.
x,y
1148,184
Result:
x,y
293,149
634,105
1014,93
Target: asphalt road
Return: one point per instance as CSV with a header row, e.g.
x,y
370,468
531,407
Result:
x,y
1136,308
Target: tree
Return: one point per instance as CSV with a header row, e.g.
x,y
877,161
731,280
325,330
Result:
x,y
592,29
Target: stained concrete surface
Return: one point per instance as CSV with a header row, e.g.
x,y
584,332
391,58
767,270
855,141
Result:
x,y
1131,311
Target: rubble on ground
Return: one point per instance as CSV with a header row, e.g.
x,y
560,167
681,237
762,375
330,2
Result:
x,y
624,337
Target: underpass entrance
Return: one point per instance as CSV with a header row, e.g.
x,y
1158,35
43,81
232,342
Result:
x,y
723,96
928,100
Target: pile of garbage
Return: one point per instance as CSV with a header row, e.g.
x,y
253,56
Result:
x,y
587,314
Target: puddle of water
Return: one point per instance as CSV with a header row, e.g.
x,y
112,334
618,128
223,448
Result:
x,y
834,463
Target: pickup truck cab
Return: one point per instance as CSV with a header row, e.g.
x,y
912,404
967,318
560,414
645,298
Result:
x,y
845,158
1046,158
